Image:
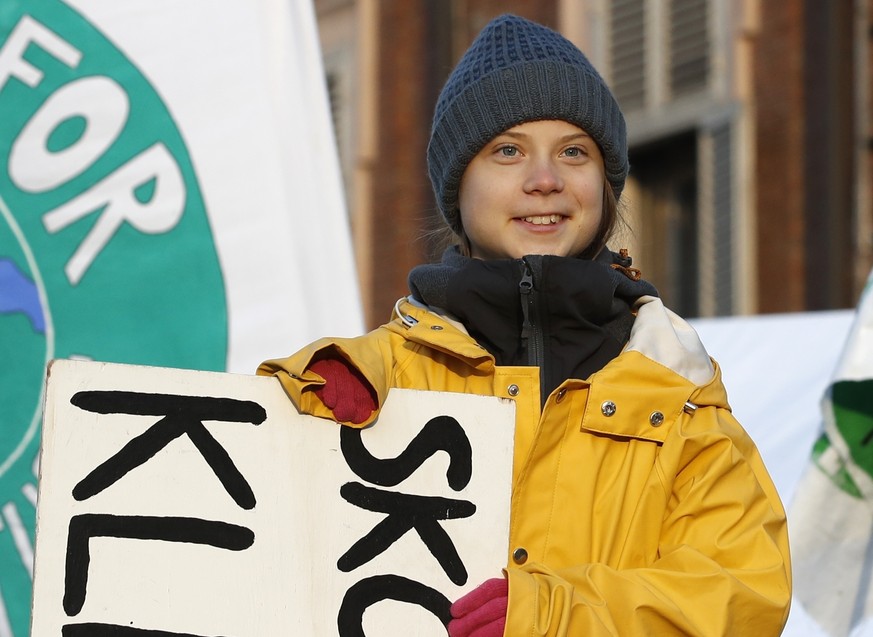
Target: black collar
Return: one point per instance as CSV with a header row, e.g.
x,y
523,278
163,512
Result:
x,y
579,309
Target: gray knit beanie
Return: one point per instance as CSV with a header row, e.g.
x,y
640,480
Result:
x,y
519,71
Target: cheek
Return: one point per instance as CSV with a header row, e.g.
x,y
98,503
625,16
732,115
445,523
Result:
x,y
467,195
589,198
477,198
590,193
468,204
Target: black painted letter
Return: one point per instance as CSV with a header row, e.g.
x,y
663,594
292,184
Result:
x,y
406,512
375,589
180,415
442,433
171,529
112,630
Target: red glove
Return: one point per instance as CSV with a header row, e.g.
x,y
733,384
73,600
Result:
x,y
345,392
482,611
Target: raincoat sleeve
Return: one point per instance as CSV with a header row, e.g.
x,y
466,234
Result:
x,y
370,354
721,566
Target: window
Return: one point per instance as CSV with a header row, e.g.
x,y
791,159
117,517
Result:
x,y
668,68
688,44
660,50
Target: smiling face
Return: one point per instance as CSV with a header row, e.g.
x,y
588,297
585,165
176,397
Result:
x,y
536,188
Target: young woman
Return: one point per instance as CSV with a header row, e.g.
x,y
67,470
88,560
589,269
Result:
x,y
639,505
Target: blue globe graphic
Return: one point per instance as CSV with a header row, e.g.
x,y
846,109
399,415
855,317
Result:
x,y
25,344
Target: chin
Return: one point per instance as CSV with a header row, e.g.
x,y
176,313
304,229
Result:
x,y
552,252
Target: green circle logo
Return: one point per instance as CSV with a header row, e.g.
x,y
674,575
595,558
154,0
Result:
x,y
106,251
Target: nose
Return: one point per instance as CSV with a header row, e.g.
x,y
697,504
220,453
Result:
x,y
543,177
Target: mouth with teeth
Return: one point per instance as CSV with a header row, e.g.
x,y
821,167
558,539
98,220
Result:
x,y
543,220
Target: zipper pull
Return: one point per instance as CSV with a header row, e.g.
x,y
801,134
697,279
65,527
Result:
x,y
525,287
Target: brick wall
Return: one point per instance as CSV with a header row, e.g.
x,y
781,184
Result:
x,y
807,202
779,151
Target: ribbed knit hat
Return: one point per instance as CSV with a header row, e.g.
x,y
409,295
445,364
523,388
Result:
x,y
519,71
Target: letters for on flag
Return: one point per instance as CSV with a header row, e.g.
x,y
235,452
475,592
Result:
x,y
201,503
831,517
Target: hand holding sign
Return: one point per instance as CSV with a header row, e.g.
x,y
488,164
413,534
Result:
x,y
482,611
345,391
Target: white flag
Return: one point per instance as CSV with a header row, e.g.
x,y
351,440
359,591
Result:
x,y
169,188
831,517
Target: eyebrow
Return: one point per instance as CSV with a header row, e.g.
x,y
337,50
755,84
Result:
x,y
562,139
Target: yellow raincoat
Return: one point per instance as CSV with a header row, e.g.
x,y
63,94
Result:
x,y
639,505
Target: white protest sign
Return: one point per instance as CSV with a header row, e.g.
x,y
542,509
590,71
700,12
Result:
x,y
177,502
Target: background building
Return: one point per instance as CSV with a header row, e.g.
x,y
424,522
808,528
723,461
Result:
x,y
750,130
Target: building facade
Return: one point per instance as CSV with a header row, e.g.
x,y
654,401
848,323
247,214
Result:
x,y
750,130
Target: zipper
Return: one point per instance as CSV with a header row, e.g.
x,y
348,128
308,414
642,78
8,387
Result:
x,y
532,329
